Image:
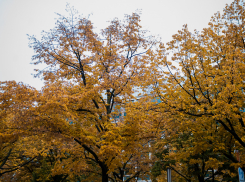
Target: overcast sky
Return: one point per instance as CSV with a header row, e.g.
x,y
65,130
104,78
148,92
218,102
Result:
x,y
21,17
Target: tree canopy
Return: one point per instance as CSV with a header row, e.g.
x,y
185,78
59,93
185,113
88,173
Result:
x,y
202,88
119,105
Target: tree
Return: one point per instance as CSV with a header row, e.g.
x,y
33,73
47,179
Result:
x,y
88,79
202,88
17,102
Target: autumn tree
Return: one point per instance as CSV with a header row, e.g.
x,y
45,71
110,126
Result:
x,y
202,89
88,79
17,102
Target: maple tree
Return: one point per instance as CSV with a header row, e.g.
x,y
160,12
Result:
x,y
21,146
89,80
17,101
202,90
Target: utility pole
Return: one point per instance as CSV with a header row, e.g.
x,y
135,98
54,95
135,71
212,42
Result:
x,y
169,174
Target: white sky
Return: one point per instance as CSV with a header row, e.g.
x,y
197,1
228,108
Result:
x,y
21,17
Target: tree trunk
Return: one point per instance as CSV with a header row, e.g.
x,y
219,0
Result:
x,y
200,178
104,174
